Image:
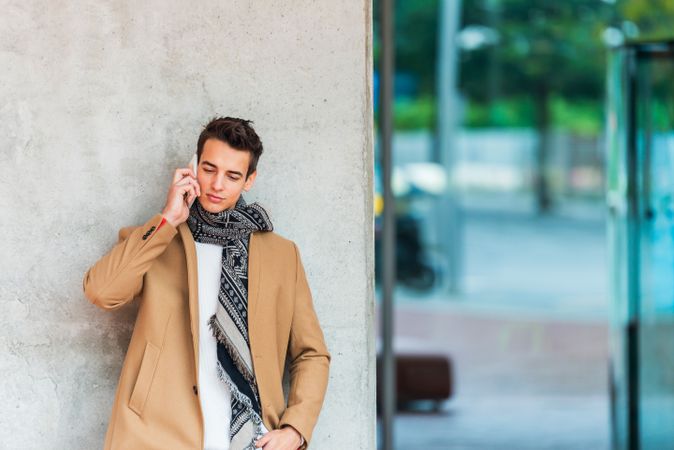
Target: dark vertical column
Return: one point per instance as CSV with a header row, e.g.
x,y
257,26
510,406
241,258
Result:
x,y
633,266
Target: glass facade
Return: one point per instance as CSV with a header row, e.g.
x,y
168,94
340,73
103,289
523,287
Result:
x,y
641,231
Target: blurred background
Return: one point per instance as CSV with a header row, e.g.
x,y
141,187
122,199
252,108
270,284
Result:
x,y
503,304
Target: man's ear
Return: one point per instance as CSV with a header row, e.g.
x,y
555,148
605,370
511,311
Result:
x,y
250,180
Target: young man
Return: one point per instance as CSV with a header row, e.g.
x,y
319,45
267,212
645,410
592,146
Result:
x,y
224,303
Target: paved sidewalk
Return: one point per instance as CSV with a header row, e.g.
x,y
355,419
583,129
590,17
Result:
x,y
521,382
528,336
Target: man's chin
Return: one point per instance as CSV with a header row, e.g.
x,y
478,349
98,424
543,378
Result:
x,y
213,207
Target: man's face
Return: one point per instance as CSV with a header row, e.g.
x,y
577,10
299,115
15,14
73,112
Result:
x,y
221,175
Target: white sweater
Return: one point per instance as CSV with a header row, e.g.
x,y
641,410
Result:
x,y
213,394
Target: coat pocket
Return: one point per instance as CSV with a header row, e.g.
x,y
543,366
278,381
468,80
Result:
x,y
141,389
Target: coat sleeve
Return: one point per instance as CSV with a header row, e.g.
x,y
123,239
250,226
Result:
x,y
309,361
117,277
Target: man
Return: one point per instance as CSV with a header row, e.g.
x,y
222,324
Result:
x,y
224,302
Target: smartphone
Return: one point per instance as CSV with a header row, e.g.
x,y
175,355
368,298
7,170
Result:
x,y
193,165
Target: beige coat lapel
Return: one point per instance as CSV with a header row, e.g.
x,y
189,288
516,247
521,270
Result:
x,y
192,287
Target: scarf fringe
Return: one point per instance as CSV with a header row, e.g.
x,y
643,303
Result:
x,y
221,337
241,398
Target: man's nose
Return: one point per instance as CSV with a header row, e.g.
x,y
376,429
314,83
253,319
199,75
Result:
x,y
218,183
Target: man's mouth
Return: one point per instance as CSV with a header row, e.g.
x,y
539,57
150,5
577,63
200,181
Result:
x,y
214,198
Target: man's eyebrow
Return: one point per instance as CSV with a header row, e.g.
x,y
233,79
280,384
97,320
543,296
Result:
x,y
233,172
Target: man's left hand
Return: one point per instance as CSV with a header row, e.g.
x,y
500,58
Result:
x,y
287,438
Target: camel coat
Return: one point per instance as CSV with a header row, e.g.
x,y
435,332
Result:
x,y
156,405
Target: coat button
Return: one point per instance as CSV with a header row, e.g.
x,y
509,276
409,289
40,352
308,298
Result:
x,y
194,388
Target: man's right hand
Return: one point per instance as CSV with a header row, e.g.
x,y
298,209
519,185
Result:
x,y
183,190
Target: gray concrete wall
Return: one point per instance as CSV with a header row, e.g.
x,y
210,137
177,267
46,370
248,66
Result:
x,y
99,103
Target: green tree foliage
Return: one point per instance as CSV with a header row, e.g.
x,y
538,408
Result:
x,y
531,63
544,47
652,18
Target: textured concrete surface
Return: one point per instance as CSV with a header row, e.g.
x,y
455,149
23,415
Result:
x,y
100,102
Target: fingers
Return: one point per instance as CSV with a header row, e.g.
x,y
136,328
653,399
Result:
x,y
190,181
191,195
183,172
263,440
184,193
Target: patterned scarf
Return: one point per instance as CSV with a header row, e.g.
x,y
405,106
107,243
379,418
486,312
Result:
x,y
231,229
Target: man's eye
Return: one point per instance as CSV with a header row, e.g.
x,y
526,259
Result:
x,y
208,171
234,178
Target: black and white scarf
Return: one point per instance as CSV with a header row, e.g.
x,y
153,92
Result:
x,y
231,229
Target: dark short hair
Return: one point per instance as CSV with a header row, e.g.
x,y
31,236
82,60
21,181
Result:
x,y
238,133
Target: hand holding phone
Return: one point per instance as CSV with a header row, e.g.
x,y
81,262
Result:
x,y
182,193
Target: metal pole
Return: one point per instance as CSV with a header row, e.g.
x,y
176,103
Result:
x,y
633,251
388,227
448,215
